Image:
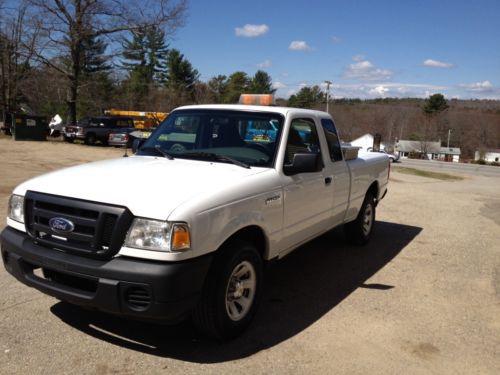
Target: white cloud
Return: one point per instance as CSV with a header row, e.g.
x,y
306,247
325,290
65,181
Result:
x,y
481,87
298,45
265,64
279,85
366,90
378,90
364,70
437,64
251,31
336,39
390,89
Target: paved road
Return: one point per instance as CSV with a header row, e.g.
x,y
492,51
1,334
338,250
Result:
x,y
461,168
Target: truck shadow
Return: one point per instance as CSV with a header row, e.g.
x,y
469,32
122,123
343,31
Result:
x,y
300,289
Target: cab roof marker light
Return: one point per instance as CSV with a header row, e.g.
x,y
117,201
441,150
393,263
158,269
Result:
x,y
257,99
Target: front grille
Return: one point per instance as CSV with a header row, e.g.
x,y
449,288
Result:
x,y
70,129
99,229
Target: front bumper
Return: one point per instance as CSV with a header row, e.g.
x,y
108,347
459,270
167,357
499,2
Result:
x,y
74,135
125,286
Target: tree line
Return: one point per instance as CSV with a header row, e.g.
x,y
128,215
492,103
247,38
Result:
x,y
80,57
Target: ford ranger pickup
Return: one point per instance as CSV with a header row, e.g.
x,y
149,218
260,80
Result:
x,y
223,201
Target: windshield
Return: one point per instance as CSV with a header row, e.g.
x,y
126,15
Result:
x,y
249,138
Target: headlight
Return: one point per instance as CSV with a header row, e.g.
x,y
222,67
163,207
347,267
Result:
x,y
158,235
16,208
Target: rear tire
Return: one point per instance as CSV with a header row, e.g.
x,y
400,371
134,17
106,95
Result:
x,y
231,293
90,139
360,230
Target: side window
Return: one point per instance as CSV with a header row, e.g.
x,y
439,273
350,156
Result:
x,y
94,122
123,123
84,121
332,139
302,138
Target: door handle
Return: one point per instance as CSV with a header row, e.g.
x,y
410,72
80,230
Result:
x,y
328,180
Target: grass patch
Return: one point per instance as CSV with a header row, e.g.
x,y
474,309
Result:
x,y
436,175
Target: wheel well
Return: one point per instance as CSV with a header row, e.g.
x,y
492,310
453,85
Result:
x,y
253,234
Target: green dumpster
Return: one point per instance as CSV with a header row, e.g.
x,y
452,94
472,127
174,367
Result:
x,y
29,128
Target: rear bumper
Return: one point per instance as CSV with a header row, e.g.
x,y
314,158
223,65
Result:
x,y
118,143
131,287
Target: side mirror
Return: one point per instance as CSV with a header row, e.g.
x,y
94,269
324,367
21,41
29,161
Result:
x,y
136,145
303,163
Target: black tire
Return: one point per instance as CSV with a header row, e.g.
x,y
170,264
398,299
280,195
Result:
x,y
69,140
231,293
360,230
90,139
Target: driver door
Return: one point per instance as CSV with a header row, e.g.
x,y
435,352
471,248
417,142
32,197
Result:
x,y
307,196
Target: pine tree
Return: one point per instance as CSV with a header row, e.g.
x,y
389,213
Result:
x,y
218,86
145,60
181,76
262,83
157,51
238,83
307,97
145,55
93,60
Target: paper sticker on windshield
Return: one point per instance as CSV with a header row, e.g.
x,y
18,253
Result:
x,y
163,137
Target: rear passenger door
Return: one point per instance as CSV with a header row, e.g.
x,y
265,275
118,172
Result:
x,y
307,196
336,167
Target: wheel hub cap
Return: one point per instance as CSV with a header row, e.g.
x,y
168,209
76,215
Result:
x,y
240,291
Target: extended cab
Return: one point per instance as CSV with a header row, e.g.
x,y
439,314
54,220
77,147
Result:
x,y
221,204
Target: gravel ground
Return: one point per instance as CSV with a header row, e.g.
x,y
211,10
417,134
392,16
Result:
x,y
422,298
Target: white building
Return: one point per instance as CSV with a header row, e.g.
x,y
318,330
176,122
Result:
x,y
489,155
365,142
427,150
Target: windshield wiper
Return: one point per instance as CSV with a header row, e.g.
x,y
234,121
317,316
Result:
x,y
159,150
216,157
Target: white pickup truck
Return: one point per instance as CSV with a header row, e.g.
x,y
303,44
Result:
x,y
186,226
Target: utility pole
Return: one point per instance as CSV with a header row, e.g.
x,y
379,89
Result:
x,y
328,83
449,133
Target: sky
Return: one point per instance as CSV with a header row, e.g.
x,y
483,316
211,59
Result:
x,y
367,49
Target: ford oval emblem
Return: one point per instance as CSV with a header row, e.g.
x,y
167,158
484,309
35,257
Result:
x,y
61,225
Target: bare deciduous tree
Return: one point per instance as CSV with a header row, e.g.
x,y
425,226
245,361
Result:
x,y
15,55
65,24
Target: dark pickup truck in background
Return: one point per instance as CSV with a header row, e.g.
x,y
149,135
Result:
x,y
96,129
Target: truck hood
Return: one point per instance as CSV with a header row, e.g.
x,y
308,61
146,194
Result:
x,y
149,186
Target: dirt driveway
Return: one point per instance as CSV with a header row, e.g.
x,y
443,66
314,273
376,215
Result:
x,y
422,298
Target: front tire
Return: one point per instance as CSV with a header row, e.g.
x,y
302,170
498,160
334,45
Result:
x,y
360,230
231,293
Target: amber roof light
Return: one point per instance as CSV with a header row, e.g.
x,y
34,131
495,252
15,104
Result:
x,y
257,99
